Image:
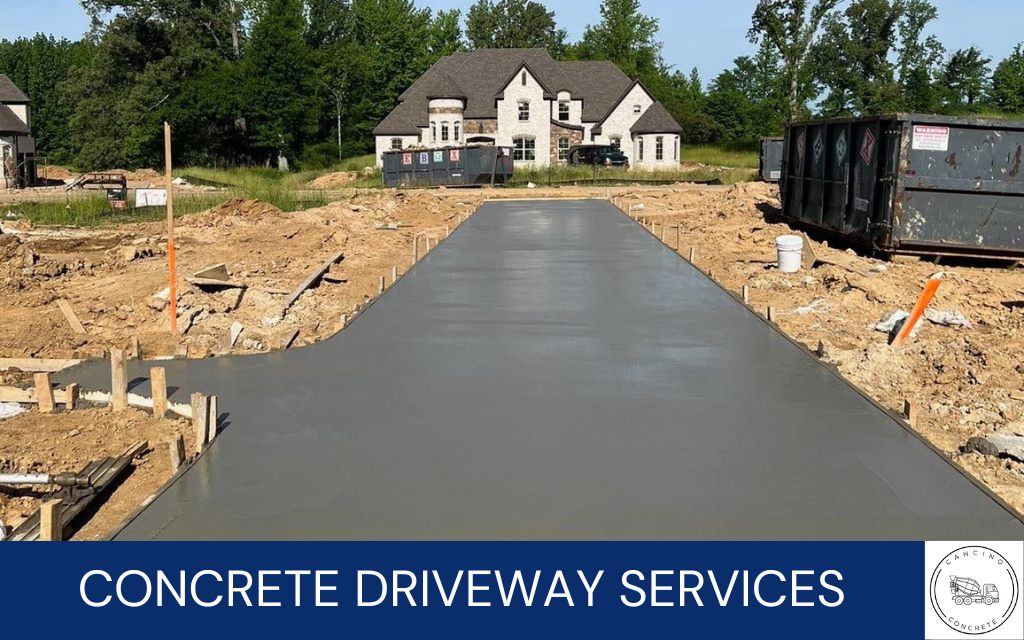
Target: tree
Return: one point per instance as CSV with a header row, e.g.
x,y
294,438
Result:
x,y
791,28
965,79
853,59
514,24
1008,83
628,38
40,66
445,34
279,70
919,60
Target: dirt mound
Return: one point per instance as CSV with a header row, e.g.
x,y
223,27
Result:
x,y
333,180
10,247
236,210
53,172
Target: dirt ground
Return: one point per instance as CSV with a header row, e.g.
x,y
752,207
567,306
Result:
x,y
65,442
964,382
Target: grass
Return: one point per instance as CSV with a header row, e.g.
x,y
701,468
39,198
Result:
x,y
584,176
94,210
716,156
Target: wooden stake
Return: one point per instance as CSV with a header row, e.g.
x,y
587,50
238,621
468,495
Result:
x,y
663,228
211,425
746,294
118,380
136,349
71,397
380,288
447,230
200,416
679,237
51,521
44,393
415,249
69,314
910,412
177,453
693,255
769,314
342,322
158,384
171,269
820,351
394,275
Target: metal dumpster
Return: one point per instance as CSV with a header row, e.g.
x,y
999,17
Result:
x,y
450,166
911,184
770,159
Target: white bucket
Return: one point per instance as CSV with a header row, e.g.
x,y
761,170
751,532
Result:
x,y
790,250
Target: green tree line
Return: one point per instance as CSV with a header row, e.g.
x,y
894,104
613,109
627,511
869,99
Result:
x,y
288,83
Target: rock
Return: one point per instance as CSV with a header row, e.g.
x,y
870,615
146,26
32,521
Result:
x,y
252,345
271,321
74,433
997,445
235,331
947,318
879,268
160,299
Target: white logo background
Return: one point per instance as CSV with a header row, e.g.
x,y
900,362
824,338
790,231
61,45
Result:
x,y
984,572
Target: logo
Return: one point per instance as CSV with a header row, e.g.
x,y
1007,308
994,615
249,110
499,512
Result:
x,y
841,147
453,155
424,158
438,156
801,145
406,158
819,147
974,590
867,150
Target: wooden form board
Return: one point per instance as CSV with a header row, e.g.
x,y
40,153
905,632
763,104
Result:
x,y
313,278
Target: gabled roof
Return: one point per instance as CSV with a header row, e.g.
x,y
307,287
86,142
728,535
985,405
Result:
x,y
11,94
10,123
656,119
622,96
548,93
480,78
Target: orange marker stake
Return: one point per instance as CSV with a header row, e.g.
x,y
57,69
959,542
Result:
x,y
915,315
170,231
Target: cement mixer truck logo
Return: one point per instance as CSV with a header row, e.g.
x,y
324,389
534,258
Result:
x,y
974,590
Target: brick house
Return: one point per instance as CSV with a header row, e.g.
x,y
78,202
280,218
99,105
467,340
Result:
x,y
524,99
16,142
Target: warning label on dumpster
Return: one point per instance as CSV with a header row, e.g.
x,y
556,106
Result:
x,y
931,138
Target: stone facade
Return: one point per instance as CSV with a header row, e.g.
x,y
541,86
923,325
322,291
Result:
x,y
487,127
559,132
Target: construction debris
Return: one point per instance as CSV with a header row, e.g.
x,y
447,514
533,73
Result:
x,y
311,280
69,314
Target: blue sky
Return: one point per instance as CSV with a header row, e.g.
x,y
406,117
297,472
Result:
x,y
696,33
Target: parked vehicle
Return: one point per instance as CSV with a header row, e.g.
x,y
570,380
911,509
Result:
x,y
967,590
599,154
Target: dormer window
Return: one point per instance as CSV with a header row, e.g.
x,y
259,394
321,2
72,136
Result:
x,y
563,111
524,111
636,109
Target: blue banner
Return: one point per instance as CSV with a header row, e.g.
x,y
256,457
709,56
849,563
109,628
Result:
x,y
698,590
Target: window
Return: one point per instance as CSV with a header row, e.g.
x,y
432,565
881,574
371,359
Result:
x,y
563,111
675,148
396,143
524,149
659,148
433,132
640,150
563,149
458,126
524,111
524,78
444,132
636,109
616,142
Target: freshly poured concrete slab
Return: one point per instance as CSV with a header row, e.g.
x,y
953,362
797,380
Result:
x,y
553,372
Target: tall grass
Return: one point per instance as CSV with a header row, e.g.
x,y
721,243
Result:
x,y
584,176
718,156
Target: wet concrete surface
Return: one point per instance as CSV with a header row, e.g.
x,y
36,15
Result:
x,y
553,372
